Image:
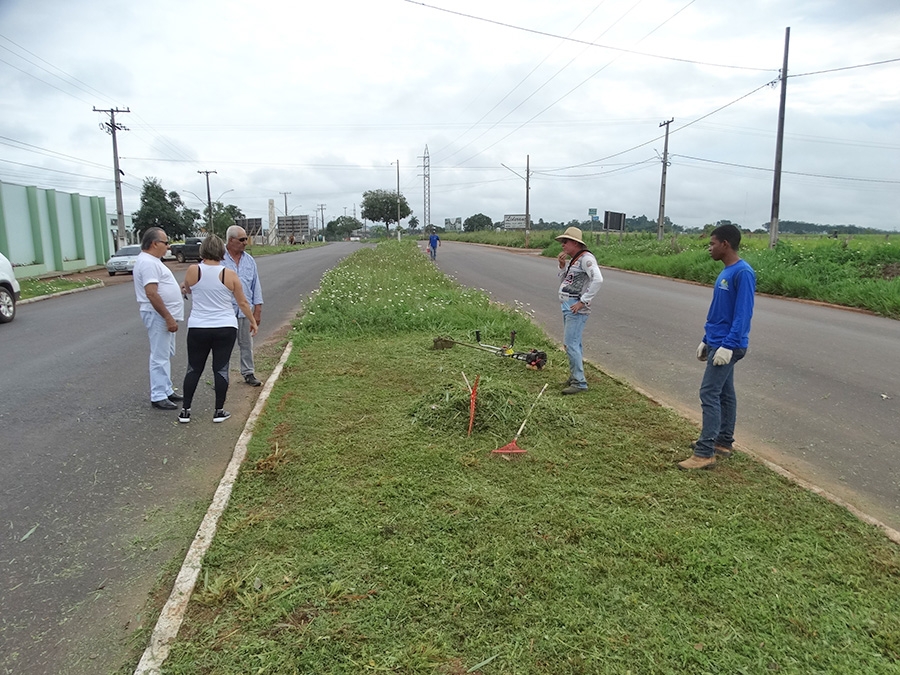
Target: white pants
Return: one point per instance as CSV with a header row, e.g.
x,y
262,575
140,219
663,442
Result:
x,y
162,349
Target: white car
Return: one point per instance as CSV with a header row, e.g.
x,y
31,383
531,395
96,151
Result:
x,y
123,260
9,291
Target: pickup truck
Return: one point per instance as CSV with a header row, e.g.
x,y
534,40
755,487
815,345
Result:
x,y
189,250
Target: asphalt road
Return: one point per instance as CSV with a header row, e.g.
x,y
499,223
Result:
x,y
818,393
99,492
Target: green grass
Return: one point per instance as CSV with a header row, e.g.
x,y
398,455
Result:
x,y
33,288
861,271
368,533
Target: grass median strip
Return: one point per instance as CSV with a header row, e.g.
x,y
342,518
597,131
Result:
x,y
368,533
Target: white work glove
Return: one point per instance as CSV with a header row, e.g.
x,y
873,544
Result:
x,y
722,357
701,352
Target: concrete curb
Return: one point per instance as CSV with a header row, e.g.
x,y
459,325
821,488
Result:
x,y
172,615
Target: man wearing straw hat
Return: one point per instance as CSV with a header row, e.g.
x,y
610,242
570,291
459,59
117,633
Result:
x,y
580,279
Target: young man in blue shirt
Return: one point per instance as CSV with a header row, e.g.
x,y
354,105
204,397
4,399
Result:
x,y
725,342
433,242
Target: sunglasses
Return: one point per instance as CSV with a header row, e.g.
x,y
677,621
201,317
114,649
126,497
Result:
x,y
243,238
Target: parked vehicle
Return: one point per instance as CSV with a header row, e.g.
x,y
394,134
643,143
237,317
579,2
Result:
x,y
189,250
9,291
123,260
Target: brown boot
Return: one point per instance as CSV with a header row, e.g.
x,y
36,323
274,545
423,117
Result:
x,y
695,462
722,452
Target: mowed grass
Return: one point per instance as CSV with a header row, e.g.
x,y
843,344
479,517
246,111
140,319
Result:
x,y
368,533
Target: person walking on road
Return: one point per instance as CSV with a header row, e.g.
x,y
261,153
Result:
x,y
212,325
580,280
162,307
433,242
725,340
242,263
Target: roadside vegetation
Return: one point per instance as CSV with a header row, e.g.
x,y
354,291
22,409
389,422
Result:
x,y
368,533
861,271
33,288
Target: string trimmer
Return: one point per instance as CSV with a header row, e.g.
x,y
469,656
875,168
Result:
x,y
533,359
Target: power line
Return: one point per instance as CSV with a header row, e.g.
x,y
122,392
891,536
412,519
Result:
x,y
793,173
577,86
835,70
585,42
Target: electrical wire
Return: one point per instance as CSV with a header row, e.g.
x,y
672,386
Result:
x,y
585,42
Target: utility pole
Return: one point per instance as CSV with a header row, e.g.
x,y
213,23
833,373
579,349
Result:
x,y
209,228
426,211
527,194
111,128
779,145
321,207
662,188
285,202
527,178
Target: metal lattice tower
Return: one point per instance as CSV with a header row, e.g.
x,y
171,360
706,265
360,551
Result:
x,y
426,163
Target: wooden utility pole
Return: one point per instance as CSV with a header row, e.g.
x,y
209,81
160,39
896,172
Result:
x,y
779,145
111,128
662,187
527,194
209,215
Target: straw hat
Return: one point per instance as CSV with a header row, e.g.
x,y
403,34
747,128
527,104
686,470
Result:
x,y
572,233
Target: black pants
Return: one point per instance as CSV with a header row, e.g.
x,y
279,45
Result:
x,y
200,342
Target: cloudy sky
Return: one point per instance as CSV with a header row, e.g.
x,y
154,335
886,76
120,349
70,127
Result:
x,y
322,99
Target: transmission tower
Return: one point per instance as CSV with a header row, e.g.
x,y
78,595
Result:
x,y
426,163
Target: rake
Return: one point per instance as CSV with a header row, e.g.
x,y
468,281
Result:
x,y
512,447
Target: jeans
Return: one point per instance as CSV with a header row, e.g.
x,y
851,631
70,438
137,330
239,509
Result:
x,y
719,405
162,349
573,327
245,343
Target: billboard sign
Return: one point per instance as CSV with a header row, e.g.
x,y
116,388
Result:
x,y
514,222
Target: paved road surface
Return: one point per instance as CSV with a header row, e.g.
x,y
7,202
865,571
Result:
x,y
98,491
818,393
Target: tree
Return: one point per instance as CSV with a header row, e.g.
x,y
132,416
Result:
x,y
380,206
413,222
341,227
477,222
159,209
223,217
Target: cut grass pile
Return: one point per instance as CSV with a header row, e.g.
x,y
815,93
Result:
x,y
368,533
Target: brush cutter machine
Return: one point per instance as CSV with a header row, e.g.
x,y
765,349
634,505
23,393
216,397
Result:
x,y
534,359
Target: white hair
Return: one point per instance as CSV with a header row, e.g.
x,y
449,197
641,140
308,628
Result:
x,y
233,232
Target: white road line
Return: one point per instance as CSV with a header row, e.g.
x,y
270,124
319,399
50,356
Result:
x,y
172,615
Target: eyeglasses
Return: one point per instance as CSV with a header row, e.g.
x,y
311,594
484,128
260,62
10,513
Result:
x,y
243,238
162,241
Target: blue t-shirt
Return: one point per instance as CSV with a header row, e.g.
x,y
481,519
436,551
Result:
x,y
433,241
728,319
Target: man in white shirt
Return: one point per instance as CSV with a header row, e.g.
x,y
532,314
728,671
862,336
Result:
x,y
162,307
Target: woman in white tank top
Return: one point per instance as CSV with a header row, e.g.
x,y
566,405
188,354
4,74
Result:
x,y
212,326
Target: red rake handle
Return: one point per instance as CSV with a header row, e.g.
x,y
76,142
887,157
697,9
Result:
x,y
472,398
